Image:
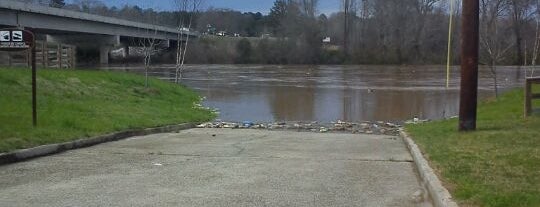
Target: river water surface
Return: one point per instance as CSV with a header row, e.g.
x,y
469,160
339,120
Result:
x,y
267,93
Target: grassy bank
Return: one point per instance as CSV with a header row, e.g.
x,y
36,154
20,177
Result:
x,y
76,104
498,165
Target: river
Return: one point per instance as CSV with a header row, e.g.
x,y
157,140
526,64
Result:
x,y
325,93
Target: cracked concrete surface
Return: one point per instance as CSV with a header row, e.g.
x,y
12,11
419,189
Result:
x,y
221,167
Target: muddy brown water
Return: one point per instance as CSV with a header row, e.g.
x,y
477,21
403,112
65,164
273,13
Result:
x,y
324,93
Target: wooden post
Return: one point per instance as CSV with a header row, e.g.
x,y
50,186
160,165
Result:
x,y
29,58
59,55
529,95
46,54
528,98
71,62
43,55
24,42
34,83
73,56
9,59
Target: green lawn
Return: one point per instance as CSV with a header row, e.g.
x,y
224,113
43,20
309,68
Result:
x,y
498,165
74,104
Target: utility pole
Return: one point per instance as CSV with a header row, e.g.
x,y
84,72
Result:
x,y
469,65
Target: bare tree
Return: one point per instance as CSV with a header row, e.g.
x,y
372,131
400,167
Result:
x,y
361,35
89,5
493,43
423,9
148,47
520,11
349,9
309,7
185,10
536,38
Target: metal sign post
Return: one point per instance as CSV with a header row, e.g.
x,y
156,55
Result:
x,y
469,65
16,39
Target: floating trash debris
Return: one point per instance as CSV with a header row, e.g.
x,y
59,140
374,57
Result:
x,y
416,120
380,128
247,124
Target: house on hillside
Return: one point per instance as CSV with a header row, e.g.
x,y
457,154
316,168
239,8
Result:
x,y
328,45
327,40
210,29
222,33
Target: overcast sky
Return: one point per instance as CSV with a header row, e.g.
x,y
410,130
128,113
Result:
x,y
263,6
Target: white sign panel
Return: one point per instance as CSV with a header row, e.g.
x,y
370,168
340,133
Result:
x,y
17,36
5,36
14,40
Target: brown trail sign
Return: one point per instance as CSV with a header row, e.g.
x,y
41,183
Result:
x,y
16,39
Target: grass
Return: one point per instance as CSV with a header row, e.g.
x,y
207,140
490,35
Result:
x,y
498,165
74,104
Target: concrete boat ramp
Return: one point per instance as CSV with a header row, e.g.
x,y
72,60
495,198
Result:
x,y
222,167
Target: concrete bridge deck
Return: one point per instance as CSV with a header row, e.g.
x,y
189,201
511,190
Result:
x,y
84,30
54,20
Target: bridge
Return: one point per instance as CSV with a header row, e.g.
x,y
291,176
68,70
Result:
x,y
84,30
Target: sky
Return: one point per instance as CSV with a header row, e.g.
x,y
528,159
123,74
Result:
x,y
263,6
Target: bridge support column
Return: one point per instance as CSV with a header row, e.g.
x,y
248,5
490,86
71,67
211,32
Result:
x,y
104,54
104,43
126,51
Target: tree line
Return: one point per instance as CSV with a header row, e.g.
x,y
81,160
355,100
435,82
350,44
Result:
x,y
361,32
387,32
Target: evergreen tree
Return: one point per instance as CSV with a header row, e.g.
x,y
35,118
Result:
x,y
277,15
